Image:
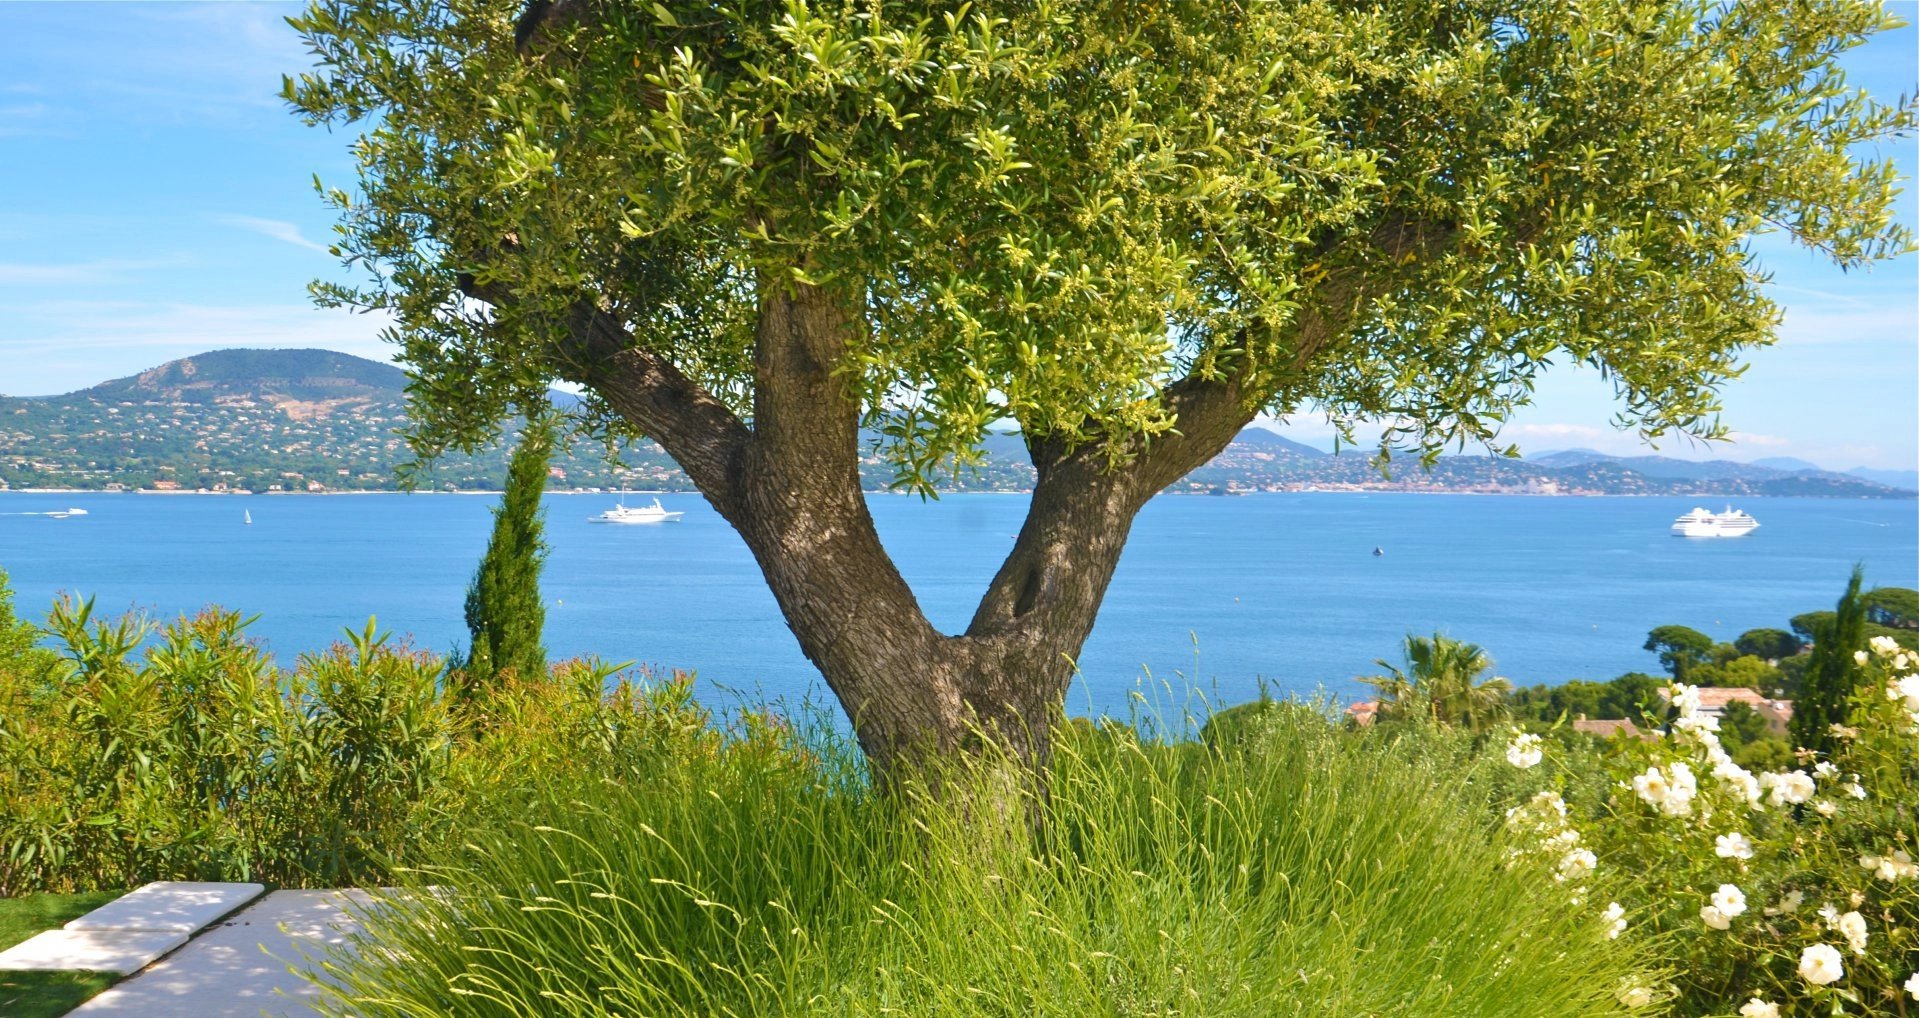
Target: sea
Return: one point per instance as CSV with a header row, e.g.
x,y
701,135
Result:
x,y
1215,598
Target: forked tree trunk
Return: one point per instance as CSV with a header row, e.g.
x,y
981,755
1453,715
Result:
x,y
789,483
913,693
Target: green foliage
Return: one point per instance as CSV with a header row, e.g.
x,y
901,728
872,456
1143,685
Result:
x,y
1831,672
505,614
1817,858
1808,625
1630,696
1441,682
1737,671
1275,877
1046,212
202,761
1740,724
1894,607
1767,644
1679,648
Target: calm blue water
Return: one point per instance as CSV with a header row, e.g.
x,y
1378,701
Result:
x,y
1213,592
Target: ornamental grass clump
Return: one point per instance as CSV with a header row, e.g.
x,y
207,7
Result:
x,y
1296,872
1786,892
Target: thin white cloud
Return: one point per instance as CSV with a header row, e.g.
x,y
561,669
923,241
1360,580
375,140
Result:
x,y
1747,438
278,229
103,270
1882,325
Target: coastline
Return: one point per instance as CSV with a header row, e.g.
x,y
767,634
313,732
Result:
x,y
1896,497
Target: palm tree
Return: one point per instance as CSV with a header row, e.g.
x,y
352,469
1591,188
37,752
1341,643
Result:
x,y
1441,681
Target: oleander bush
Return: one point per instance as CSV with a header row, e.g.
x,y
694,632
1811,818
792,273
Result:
x,y
140,753
1298,871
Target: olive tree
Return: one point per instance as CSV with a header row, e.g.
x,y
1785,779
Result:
x,y
758,231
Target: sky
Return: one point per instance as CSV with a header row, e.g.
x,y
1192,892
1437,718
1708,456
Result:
x,y
156,201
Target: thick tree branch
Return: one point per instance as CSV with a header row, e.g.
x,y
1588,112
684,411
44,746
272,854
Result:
x,y
595,349
1083,508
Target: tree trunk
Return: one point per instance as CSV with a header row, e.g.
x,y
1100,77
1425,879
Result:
x,y
789,483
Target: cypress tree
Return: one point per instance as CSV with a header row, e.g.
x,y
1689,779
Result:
x,y
504,612
1831,672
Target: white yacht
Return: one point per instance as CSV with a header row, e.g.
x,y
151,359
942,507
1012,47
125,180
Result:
x,y
1705,523
623,513
61,514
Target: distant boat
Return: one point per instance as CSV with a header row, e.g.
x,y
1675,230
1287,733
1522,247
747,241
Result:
x,y
1705,523
623,513
1377,551
61,514
249,516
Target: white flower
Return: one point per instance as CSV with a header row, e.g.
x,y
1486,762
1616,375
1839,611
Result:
x,y
1852,926
1714,918
1788,904
1825,808
1685,699
1758,1008
1738,778
1912,986
1855,789
1905,689
1578,863
1897,866
1615,917
1732,846
1524,752
1652,786
1825,771
1700,727
1729,899
1821,965
1635,996
1859,657
1884,646
1789,789
1683,787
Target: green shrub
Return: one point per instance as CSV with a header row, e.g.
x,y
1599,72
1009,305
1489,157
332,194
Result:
x,y
201,760
1283,875
1794,888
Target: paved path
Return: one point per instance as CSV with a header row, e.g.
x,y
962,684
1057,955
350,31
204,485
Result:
x,y
243,966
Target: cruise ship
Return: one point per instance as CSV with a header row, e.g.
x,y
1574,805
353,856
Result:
x,y
1705,523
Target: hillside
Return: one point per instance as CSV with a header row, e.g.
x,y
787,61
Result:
x,y
277,376
316,420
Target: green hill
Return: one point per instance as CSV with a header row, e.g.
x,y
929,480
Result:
x,y
301,375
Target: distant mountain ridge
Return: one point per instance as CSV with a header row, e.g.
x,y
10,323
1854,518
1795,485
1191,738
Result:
x,y
1770,468
313,420
243,373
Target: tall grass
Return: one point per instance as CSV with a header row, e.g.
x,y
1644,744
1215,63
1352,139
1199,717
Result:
x,y
1294,871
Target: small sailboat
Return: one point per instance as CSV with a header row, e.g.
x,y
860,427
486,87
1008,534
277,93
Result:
x,y
1378,551
248,513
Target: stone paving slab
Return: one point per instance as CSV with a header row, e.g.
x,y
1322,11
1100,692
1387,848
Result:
x,y
242,967
121,951
174,905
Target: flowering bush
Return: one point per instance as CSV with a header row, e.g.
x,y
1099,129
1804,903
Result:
x,y
1787,892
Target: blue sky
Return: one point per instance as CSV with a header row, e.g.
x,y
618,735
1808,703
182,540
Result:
x,y
156,201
